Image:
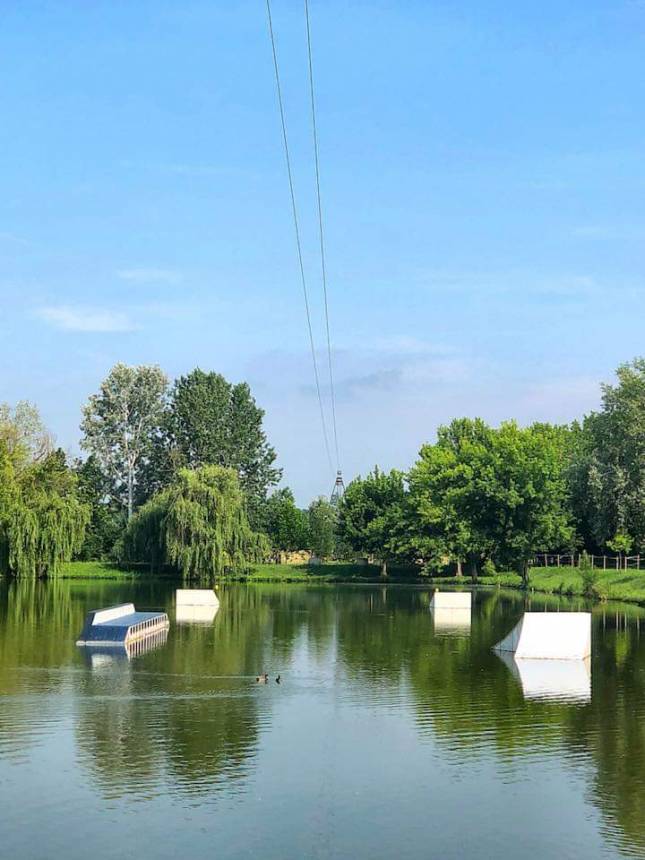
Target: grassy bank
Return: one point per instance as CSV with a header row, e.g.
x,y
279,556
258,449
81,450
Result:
x,y
610,585
329,572
628,585
332,571
96,570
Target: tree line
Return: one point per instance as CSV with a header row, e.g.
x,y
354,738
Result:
x,y
181,476
482,497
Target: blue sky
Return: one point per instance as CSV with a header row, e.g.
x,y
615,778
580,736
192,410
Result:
x,y
483,186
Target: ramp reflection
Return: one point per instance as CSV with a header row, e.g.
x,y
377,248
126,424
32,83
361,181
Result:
x,y
99,656
562,680
451,621
195,614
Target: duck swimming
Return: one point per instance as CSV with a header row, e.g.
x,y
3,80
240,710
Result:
x,y
262,678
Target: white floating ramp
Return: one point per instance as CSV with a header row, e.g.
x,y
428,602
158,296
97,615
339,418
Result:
x,y
451,600
120,625
549,636
195,605
196,597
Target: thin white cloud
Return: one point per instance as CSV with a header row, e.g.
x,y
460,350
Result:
x,y
149,275
406,345
7,236
610,232
501,283
85,319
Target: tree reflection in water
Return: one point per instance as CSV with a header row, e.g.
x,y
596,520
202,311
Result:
x,y
188,719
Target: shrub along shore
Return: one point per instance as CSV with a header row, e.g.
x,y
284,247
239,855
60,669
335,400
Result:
x,y
626,585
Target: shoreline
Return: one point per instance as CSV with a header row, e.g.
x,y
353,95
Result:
x,y
623,586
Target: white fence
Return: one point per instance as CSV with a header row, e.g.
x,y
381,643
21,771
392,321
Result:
x,y
603,562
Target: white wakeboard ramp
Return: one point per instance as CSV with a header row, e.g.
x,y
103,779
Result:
x,y
195,605
451,600
549,636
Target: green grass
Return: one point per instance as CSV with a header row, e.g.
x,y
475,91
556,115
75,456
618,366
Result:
x,y
95,570
329,572
332,571
628,585
610,584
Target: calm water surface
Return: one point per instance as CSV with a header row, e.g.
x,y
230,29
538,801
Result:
x,y
394,733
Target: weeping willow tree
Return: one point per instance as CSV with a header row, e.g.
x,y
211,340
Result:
x,y
198,526
42,522
7,504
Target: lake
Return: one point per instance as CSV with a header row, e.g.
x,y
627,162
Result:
x,y
393,733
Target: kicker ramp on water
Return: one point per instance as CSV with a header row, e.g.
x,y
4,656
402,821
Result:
x,y
195,605
451,600
549,636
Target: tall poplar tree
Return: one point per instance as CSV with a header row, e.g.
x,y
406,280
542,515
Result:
x,y
122,423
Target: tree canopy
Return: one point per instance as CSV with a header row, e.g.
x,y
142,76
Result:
x,y
25,437
373,517
121,423
481,493
608,471
42,520
286,526
211,421
197,525
323,521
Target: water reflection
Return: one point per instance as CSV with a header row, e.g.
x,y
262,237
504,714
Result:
x,y
566,680
451,621
186,720
100,656
195,614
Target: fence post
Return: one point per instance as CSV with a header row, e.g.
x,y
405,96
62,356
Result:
x,y
558,561
604,562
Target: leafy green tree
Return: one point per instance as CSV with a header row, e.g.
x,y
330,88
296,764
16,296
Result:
x,y
42,521
210,421
444,490
608,473
8,500
25,437
197,525
621,543
499,494
107,518
534,504
121,425
286,525
323,522
373,517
